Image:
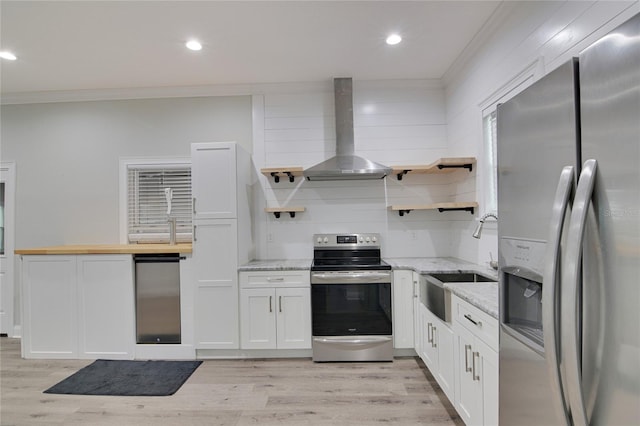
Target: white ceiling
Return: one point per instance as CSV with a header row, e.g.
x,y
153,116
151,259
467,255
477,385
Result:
x,y
74,45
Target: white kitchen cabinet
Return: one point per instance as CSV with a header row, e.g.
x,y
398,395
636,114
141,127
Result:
x,y
275,310
78,306
476,358
417,328
403,304
437,350
221,185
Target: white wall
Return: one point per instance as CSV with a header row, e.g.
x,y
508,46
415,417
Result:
x,y
67,157
396,123
525,41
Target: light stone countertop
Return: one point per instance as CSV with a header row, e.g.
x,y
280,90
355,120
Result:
x,y
433,265
484,296
276,265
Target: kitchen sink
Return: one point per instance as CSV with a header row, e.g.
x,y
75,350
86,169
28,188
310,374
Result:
x,y
461,277
434,296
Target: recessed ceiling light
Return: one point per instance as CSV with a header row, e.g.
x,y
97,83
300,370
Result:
x,y
394,39
194,45
7,55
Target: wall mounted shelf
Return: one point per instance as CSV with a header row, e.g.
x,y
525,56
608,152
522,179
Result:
x,y
277,211
441,207
277,172
443,165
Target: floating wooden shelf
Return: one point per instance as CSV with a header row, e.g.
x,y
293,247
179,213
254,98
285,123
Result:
x,y
441,207
443,165
277,172
279,210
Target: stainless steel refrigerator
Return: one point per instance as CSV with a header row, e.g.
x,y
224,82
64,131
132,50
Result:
x,y
569,241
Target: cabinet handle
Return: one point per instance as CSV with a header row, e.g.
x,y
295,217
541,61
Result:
x,y
415,289
270,306
194,233
280,303
194,205
429,337
478,323
473,363
466,358
271,279
433,337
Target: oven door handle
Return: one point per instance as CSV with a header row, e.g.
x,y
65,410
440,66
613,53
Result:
x,y
346,278
356,341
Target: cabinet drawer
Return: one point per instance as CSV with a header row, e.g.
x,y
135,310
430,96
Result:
x,y
274,279
481,324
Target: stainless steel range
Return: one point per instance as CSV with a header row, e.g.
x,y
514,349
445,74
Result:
x,y
350,299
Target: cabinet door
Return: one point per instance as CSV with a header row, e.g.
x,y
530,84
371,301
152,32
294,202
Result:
x,y
489,380
106,305
50,307
417,324
293,318
468,395
429,346
403,309
215,271
258,318
213,180
446,359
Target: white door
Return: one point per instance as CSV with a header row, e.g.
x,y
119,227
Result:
x,y
293,318
213,180
258,318
7,226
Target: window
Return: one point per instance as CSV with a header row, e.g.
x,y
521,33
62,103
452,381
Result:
x,y
490,159
148,197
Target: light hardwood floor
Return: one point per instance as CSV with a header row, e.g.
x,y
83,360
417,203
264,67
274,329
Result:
x,y
234,392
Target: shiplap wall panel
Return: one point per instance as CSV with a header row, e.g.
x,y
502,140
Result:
x,y
395,122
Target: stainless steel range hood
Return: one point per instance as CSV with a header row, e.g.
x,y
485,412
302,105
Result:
x,y
345,165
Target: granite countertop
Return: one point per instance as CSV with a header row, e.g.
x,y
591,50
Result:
x,y
484,296
109,249
276,265
433,265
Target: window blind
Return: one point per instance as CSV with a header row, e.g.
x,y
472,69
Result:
x,y
147,204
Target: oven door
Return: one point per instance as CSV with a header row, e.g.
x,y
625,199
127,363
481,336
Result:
x,y
351,316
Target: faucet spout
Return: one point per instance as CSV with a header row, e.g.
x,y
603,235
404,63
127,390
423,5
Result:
x,y
478,231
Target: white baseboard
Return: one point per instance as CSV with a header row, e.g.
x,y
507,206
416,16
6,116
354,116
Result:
x,y
151,351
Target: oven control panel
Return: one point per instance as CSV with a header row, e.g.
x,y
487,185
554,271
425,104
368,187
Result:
x,y
345,241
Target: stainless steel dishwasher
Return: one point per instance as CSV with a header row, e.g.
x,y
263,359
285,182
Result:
x,y
157,298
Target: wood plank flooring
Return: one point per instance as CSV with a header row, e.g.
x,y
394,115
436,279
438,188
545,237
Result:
x,y
234,393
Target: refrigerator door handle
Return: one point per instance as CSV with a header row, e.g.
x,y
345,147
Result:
x,y
550,289
571,274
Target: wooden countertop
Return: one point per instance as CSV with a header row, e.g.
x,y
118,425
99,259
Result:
x,y
109,249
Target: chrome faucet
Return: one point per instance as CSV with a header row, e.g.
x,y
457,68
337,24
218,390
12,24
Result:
x,y
478,231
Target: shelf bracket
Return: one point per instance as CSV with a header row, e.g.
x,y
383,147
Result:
x,y
276,178
402,212
468,166
277,214
401,174
291,178
292,214
465,209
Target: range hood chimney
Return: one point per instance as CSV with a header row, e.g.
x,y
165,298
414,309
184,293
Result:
x,y
345,165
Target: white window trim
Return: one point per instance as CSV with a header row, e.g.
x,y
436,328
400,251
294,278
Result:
x,y
520,81
125,163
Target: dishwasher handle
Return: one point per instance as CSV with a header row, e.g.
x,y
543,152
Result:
x,y
157,258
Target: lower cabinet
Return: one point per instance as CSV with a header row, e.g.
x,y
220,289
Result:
x,y
78,306
403,309
437,350
275,310
476,358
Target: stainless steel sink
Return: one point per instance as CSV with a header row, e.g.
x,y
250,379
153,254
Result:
x,y
434,296
461,277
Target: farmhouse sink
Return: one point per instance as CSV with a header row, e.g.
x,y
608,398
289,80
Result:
x,y
433,295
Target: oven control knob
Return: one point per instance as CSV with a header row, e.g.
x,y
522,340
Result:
x,y
368,240
319,240
361,240
374,239
326,240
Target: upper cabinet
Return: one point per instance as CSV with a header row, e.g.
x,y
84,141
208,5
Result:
x,y
213,177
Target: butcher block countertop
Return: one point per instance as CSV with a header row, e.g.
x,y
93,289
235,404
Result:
x,y
109,249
